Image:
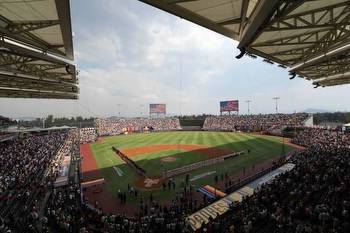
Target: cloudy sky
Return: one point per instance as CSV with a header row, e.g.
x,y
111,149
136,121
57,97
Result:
x,y
130,54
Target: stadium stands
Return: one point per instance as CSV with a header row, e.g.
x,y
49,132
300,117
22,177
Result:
x,y
28,167
322,138
254,122
114,126
88,135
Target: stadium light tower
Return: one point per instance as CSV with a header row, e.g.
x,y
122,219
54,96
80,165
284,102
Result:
x,y
248,102
43,121
118,109
141,108
276,102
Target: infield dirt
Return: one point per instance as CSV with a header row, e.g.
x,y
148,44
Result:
x,y
201,149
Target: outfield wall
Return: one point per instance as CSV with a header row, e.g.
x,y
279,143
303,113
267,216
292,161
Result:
x,y
191,128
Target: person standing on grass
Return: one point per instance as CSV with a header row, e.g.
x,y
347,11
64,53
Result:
x,y
187,179
119,194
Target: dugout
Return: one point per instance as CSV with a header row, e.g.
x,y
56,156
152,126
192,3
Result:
x,y
346,127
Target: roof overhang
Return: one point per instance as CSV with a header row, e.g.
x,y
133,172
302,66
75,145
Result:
x,y
36,50
310,37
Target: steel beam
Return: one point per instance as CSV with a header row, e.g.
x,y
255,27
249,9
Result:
x,y
333,77
190,16
343,48
19,76
325,26
22,27
25,37
29,93
63,11
30,51
21,65
262,13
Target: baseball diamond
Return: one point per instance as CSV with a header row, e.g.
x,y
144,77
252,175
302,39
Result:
x,y
184,148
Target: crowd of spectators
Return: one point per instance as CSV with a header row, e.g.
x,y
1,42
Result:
x,y
322,138
64,211
259,122
114,126
88,135
29,165
69,147
313,197
21,160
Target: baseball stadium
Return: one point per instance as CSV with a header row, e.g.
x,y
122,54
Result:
x,y
152,165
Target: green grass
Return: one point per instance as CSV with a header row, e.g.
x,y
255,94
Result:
x,y
153,165
262,148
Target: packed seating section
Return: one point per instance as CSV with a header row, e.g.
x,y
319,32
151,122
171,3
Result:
x,y
259,122
88,135
114,126
29,166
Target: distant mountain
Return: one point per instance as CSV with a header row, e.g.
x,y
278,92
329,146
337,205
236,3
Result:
x,y
314,110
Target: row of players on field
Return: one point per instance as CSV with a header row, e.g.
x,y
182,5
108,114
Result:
x,y
114,126
313,197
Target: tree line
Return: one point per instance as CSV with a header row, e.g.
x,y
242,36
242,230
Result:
x,y
6,121
50,121
340,117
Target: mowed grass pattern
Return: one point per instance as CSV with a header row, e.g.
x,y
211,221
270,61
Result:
x,y
262,148
154,166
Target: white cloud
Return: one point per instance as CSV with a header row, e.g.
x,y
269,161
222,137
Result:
x,y
98,48
179,38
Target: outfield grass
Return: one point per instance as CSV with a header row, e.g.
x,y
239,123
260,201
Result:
x,y
262,148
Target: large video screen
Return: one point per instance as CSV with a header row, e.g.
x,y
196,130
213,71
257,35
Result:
x,y
230,105
157,108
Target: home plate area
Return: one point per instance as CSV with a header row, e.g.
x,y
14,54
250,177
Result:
x,y
149,182
169,159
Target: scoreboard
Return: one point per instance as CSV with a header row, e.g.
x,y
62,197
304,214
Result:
x,y
229,106
157,108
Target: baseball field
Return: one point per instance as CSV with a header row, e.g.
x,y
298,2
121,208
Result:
x,y
156,153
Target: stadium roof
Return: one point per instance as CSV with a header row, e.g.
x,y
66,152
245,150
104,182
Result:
x,y
35,129
36,50
310,37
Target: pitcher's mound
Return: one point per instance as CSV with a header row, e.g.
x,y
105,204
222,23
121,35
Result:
x,y
150,183
169,159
